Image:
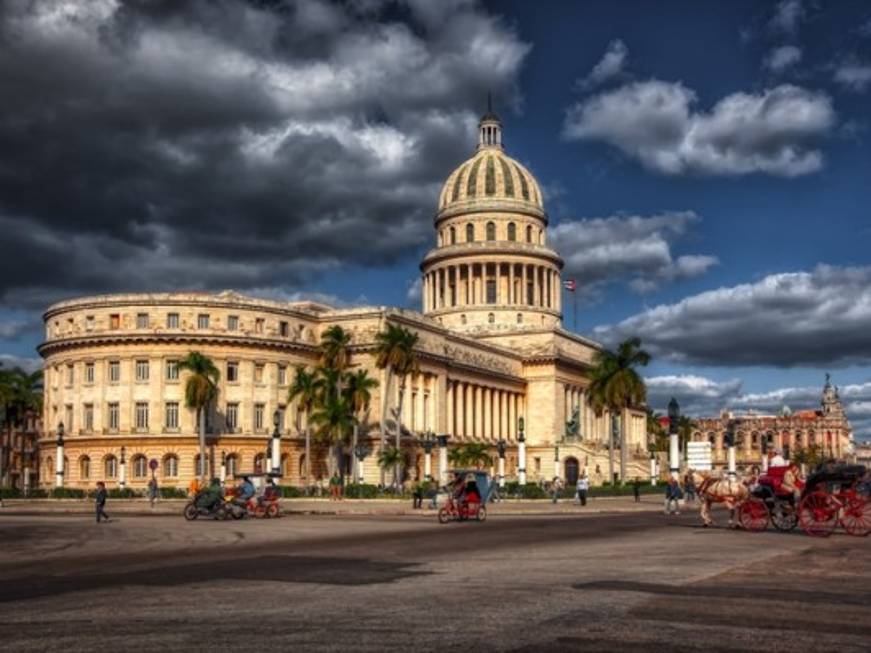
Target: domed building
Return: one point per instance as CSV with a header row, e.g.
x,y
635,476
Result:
x,y
496,364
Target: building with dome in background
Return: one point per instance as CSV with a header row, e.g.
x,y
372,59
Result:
x,y
492,351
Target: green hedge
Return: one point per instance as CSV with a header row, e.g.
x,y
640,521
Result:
x,y
361,491
173,493
67,493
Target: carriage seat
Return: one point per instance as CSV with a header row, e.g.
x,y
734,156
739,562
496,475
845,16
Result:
x,y
773,478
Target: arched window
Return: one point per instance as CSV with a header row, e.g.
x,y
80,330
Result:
x,y
200,465
491,231
49,467
110,466
541,237
528,233
140,466
470,233
491,318
453,233
84,468
170,466
512,231
232,464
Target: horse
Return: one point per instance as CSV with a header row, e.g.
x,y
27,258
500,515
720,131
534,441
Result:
x,y
714,489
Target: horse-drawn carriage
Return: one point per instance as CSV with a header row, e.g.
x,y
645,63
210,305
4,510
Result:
x,y
833,495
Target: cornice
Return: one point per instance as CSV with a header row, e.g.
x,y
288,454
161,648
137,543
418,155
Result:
x,y
470,251
473,207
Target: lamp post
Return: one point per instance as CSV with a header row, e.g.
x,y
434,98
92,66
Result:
x,y
359,453
276,443
443,458
673,453
730,451
122,469
556,469
223,471
652,468
428,442
500,447
521,452
59,463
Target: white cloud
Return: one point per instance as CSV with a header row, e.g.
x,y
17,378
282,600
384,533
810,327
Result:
x,y
626,248
854,75
820,317
779,59
787,16
413,294
609,66
698,396
771,132
29,365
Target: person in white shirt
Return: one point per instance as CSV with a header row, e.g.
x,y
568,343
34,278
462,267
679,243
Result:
x,y
777,459
582,486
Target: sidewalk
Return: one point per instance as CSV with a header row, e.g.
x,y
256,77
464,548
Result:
x,y
308,506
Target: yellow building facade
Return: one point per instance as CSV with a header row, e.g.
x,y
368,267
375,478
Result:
x,y
492,351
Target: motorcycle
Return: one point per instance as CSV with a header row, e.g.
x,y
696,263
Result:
x,y
192,510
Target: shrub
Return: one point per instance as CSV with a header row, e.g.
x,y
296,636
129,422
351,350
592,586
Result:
x,y
38,493
361,491
291,491
126,493
173,493
67,493
10,492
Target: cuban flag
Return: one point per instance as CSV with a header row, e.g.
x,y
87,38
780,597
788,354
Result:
x,y
570,285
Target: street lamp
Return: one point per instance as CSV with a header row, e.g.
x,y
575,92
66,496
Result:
x,y
276,443
59,463
673,453
730,451
521,452
223,467
428,441
122,469
500,447
360,453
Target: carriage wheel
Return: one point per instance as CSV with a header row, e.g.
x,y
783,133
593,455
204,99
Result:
x,y
444,516
753,515
857,517
481,515
784,516
818,514
273,510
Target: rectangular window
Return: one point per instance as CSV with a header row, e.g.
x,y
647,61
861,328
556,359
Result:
x,y
141,415
115,321
233,323
537,462
89,322
172,320
530,293
70,374
258,373
203,321
172,370
171,415
142,320
282,375
491,291
114,371
284,329
68,418
89,372
232,371
259,410
88,417
232,417
141,370
70,324
258,325
113,416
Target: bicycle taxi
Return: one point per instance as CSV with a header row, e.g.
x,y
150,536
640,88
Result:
x,y
467,496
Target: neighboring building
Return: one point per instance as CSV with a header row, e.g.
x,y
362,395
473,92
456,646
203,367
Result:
x,y
492,350
826,427
18,458
863,454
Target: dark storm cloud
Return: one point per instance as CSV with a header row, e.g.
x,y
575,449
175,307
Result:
x,y
158,145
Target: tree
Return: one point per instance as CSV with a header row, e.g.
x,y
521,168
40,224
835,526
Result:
x,y
616,385
685,428
306,389
475,454
358,387
334,418
392,458
659,439
200,390
336,353
395,353
20,394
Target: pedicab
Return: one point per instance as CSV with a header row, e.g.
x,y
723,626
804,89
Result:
x,y
467,496
836,494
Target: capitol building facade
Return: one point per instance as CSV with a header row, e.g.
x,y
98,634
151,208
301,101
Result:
x,y
492,350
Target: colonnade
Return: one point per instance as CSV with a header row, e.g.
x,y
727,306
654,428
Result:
x,y
472,284
748,444
477,412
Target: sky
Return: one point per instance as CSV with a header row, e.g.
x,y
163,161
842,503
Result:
x,y
705,166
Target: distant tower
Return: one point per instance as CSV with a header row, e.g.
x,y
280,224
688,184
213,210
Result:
x,y
831,402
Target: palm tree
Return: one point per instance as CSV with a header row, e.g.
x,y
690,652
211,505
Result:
x,y
392,458
659,441
358,387
685,427
395,353
473,453
336,353
20,394
616,385
201,388
334,418
306,388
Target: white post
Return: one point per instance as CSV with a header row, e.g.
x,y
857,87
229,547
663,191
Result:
x,y
653,470
501,471
731,461
360,475
276,452
59,465
443,459
764,462
427,464
521,461
27,481
673,456
223,471
122,471
556,469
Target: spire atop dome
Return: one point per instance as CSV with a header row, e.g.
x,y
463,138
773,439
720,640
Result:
x,y
490,128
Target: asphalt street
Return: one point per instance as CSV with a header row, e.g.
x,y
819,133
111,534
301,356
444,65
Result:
x,y
592,582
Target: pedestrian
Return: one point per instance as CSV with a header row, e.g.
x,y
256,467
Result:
x,y
100,501
583,487
636,489
555,488
417,495
152,491
672,497
689,487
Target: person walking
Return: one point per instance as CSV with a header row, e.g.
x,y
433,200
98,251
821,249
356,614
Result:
x,y
672,497
556,487
100,501
583,487
689,487
636,489
152,491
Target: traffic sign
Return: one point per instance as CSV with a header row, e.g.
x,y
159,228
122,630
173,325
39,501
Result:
x,y
699,455
153,464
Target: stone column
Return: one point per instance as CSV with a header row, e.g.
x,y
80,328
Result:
x,y
449,400
59,462
479,413
488,413
512,415
470,411
443,459
511,295
523,295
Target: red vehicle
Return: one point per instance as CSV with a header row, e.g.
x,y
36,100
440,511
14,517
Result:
x,y
464,502
836,495
769,501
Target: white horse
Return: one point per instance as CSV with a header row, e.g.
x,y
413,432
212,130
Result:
x,y
715,489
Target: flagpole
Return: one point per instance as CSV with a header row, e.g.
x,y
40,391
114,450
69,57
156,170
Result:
x,y
576,310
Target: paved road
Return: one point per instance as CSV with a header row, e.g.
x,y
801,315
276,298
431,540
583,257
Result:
x,y
637,581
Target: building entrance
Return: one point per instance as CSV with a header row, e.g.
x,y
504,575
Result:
x,y
572,467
